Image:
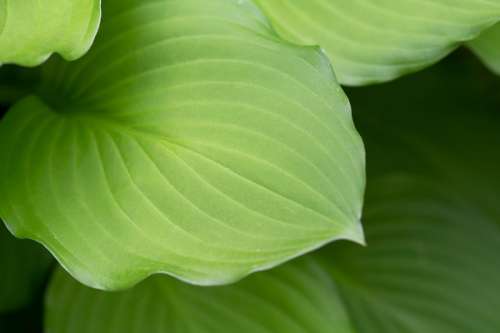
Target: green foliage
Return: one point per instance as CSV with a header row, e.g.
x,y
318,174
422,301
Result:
x,y
431,263
190,141
431,216
30,30
24,266
487,47
375,41
196,141
293,298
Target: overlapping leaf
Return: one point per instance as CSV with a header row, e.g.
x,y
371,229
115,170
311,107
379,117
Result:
x,y
278,301
23,267
432,218
372,41
30,30
487,47
190,140
431,265
432,223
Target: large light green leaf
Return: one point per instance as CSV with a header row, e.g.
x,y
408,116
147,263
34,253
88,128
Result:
x,y
23,268
190,140
487,47
372,41
432,222
30,30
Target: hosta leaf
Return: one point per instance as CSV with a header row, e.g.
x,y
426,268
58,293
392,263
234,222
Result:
x,y
487,47
431,263
190,140
432,219
30,30
372,41
294,298
23,267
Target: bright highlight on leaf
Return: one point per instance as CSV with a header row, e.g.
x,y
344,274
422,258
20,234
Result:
x,y
432,225
190,140
371,41
23,266
31,30
487,48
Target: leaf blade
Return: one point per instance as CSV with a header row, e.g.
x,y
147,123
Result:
x,y
371,43
486,48
30,31
431,221
217,309
192,142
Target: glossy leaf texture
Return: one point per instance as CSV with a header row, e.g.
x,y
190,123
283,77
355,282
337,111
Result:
x,y
31,30
190,141
24,266
371,41
432,223
487,48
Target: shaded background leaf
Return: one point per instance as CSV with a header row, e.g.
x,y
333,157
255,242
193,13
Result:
x,y
15,83
432,218
24,266
294,298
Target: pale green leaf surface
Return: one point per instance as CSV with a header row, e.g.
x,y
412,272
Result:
x,y
31,30
487,48
370,41
431,218
23,268
191,141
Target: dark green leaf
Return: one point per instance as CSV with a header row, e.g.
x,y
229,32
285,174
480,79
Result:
x,y
23,268
432,221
